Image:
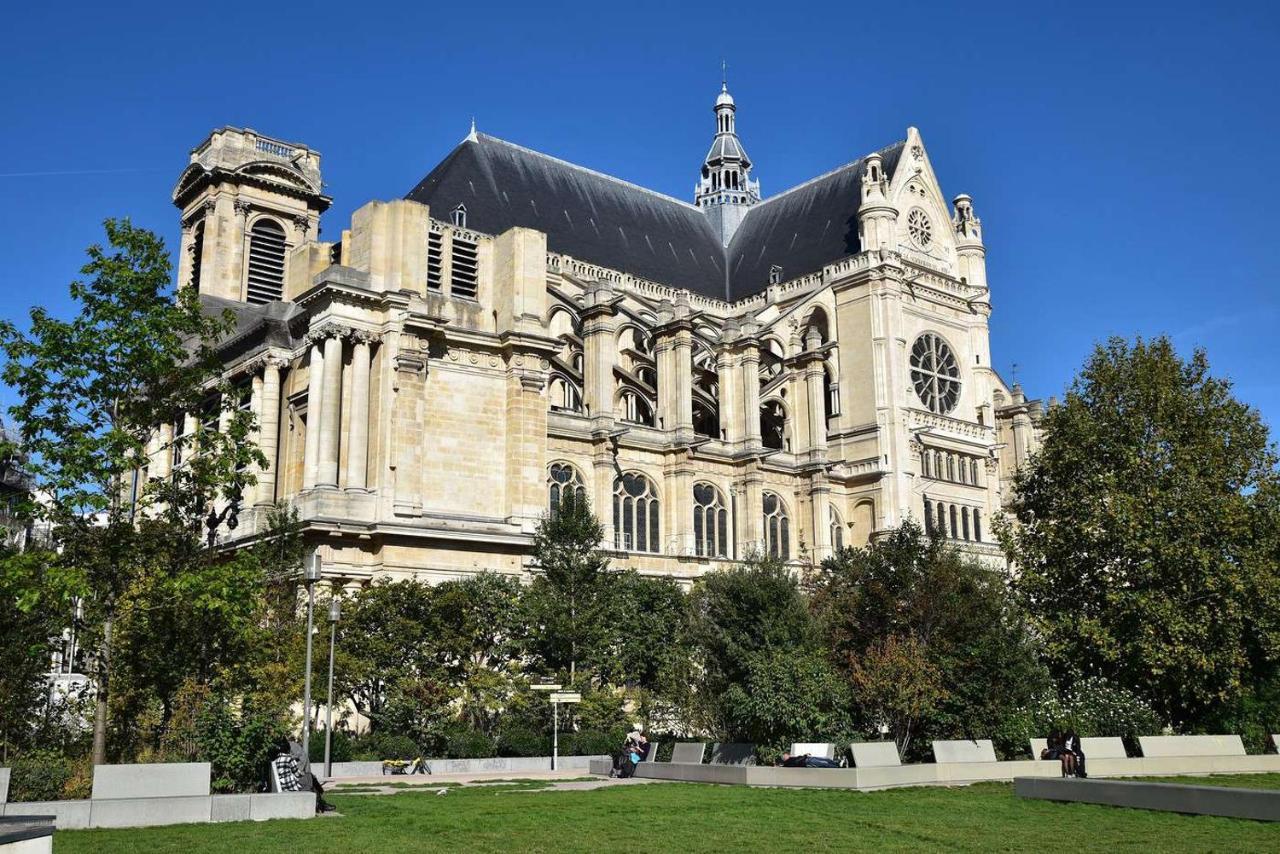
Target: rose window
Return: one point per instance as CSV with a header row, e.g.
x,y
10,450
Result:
x,y
935,373
919,227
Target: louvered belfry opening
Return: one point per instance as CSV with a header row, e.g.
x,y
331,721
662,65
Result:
x,y
464,272
435,261
266,262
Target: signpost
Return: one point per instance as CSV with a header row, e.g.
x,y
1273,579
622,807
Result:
x,y
556,696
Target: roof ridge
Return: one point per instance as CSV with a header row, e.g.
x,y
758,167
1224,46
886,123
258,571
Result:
x,y
824,175
587,170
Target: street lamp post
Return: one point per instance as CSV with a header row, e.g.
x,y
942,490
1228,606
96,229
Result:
x,y
335,614
310,575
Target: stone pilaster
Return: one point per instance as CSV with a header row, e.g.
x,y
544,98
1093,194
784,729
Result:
x,y
599,355
330,412
820,503
358,430
268,412
315,402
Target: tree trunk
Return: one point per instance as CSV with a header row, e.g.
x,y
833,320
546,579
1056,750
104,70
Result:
x,y
100,710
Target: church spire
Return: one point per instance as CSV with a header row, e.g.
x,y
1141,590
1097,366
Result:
x,y
725,190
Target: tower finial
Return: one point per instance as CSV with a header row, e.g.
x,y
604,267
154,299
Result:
x,y
471,137
724,75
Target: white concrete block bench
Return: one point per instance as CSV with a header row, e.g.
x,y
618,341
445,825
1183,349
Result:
x,y
813,748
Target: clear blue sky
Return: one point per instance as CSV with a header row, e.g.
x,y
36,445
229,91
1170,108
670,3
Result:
x,y
1123,156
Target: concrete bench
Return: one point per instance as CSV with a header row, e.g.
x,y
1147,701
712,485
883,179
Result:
x,y
1094,747
981,750
157,780
875,754
733,753
1190,745
813,748
689,752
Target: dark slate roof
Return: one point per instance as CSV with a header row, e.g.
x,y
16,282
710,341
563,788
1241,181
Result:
x,y
727,146
618,225
584,214
271,318
803,229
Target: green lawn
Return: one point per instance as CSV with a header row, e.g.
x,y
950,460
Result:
x,y
688,817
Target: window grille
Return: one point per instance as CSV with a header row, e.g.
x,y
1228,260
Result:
x,y
435,261
465,269
266,262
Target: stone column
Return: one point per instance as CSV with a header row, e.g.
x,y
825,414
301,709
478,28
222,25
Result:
x,y
315,403
730,419
751,509
599,354
330,412
813,376
751,394
269,429
358,450
820,499
164,460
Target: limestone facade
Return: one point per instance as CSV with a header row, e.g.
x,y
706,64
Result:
x,y
424,387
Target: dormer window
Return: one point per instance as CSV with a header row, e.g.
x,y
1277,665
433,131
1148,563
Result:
x,y
459,216
775,275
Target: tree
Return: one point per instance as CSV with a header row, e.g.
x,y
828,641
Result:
x,y
1147,531
91,392
737,618
25,647
566,598
787,694
912,607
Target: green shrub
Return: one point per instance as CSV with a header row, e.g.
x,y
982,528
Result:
x,y
339,747
520,741
591,743
467,743
39,775
1092,707
238,745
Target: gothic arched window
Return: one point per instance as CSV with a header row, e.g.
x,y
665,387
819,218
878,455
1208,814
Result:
x,y
710,522
964,518
973,471
773,425
837,529
635,514
777,527
565,396
563,480
928,517
977,525
266,262
636,409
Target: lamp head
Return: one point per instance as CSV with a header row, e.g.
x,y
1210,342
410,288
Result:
x,y
335,610
311,571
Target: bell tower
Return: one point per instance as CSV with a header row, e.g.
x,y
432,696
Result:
x,y
725,191
247,200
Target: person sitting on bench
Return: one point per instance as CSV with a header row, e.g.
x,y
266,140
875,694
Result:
x,y
1071,743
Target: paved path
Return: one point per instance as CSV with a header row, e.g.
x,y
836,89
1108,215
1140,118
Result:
x,y
557,781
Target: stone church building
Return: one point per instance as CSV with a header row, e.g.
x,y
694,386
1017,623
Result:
x,y
732,373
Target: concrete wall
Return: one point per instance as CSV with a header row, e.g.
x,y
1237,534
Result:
x,y
4,784
152,780
1191,745
492,765
153,812
875,754
1258,804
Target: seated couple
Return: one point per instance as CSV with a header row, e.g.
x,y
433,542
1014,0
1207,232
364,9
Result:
x,y
1065,747
636,749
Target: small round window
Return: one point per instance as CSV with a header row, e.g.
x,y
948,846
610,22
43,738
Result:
x,y
935,373
919,228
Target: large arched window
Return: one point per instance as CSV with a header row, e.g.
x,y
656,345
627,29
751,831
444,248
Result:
x,y
266,262
837,529
710,522
777,527
935,373
635,514
563,480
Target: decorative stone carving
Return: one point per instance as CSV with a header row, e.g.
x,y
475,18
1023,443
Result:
x,y
242,207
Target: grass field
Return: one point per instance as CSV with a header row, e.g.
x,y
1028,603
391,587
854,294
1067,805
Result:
x,y
689,817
